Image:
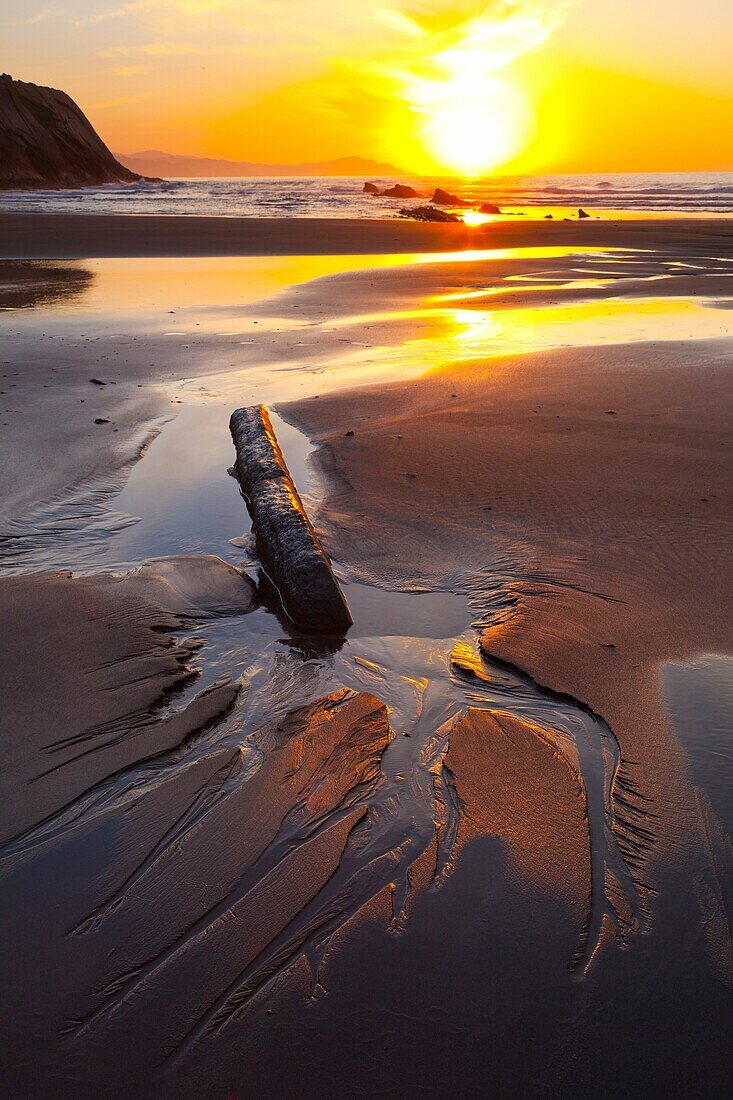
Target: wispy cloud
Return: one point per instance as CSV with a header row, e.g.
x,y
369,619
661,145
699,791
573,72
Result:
x,y
162,11
42,16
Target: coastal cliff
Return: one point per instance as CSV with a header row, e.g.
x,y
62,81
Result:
x,y
47,141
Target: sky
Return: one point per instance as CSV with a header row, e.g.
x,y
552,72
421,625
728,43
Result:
x,y
465,87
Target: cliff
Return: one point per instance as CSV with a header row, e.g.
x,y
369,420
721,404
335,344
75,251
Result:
x,y
47,141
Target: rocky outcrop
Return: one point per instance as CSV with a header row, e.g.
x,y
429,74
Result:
x,y
428,214
401,191
489,208
290,551
371,189
47,141
445,198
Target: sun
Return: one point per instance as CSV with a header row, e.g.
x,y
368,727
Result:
x,y
469,113
477,124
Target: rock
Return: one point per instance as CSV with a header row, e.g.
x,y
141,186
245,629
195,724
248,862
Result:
x,y
97,381
582,213
101,420
46,141
371,189
428,214
401,191
289,549
444,198
548,217
349,433
489,208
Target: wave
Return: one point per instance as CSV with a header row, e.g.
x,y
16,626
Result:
x,y
679,193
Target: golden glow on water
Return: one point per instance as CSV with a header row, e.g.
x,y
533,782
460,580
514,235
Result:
x,y
261,318
520,287
131,285
486,334
474,217
450,335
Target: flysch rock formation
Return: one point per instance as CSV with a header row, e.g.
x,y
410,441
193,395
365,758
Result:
x,y
47,141
289,549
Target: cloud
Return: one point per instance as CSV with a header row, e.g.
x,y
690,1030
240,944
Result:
x,y
42,16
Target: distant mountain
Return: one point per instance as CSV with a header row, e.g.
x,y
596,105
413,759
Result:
x,y
170,164
47,141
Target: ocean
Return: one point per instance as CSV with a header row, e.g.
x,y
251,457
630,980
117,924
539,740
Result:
x,y
330,197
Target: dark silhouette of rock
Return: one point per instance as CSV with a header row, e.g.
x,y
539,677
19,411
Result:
x,y
371,189
46,141
548,217
445,198
428,214
489,208
401,191
582,213
290,551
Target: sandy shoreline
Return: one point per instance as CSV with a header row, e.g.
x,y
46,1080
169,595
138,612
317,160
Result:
x,y
548,446
69,236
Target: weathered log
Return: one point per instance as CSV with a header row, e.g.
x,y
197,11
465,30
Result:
x,y
290,552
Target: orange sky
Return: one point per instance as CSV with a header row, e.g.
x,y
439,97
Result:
x,y
464,87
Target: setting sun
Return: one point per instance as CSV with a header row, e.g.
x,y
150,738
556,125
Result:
x,y
480,124
471,120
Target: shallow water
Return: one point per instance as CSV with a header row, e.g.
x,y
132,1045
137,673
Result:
x,y
274,329
699,695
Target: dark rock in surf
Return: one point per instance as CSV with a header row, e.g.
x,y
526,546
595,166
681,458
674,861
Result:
x,y
445,198
489,208
289,549
401,191
371,189
582,213
428,214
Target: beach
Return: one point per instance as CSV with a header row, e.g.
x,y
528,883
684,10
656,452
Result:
x,y
77,236
482,843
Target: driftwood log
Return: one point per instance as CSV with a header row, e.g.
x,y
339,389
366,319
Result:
x,y
290,552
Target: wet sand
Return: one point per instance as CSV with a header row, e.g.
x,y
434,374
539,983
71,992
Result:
x,y
77,236
441,857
